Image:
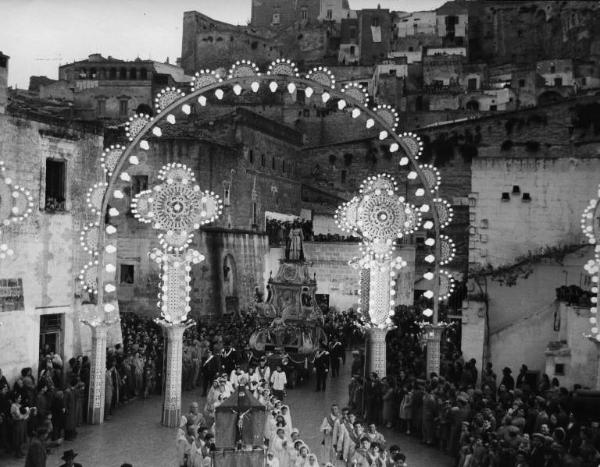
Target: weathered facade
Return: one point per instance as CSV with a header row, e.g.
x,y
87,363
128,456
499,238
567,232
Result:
x,y
39,301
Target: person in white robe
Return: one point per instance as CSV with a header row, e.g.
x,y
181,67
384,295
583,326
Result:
x,y
328,454
280,446
272,461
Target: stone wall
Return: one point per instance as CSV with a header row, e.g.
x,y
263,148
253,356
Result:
x,y
577,353
289,12
522,317
544,201
48,255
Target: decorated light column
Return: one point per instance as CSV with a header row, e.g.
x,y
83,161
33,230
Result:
x,y
379,216
590,224
176,208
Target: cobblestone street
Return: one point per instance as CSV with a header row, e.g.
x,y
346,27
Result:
x,y
134,433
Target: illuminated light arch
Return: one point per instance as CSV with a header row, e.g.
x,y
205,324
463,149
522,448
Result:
x,y
374,119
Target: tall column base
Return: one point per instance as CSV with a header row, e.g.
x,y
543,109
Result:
x,y
433,337
377,351
171,414
95,409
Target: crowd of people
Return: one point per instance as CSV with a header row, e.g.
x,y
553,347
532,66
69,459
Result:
x,y
480,420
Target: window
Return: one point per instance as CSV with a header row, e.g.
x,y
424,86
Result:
x,y
375,21
101,107
472,84
329,14
123,107
273,163
139,183
352,50
526,197
133,73
123,73
352,33
251,156
283,166
493,108
55,185
254,215
343,176
263,160
3,62
559,369
11,295
558,81
226,193
516,190
276,18
505,196
304,14
521,83
552,69
112,73
143,73
127,274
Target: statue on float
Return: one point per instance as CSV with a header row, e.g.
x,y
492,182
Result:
x,y
291,321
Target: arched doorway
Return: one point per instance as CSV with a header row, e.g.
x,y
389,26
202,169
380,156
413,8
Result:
x,y
472,105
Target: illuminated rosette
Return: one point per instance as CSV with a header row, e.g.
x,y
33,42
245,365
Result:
x,y
194,256
243,69
204,78
413,143
141,206
381,216
591,267
431,177
5,251
211,207
110,158
587,221
322,76
176,172
413,219
94,197
166,97
447,249
346,216
446,284
89,238
135,125
175,240
389,114
88,277
356,92
444,211
379,183
284,67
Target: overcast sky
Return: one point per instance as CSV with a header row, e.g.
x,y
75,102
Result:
x,y
40,35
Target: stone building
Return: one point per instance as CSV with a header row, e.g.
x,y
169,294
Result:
x,y
275,13
335,10
374,35
56,162
109,88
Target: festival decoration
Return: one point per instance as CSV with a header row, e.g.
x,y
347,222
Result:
x,y
16,205
590,225
283,76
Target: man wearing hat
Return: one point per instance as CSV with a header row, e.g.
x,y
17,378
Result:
x,y
69,458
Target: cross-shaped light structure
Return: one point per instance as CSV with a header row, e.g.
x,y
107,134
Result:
x,y
176,207
379,216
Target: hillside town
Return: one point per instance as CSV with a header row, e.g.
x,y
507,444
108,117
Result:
x,y
475,126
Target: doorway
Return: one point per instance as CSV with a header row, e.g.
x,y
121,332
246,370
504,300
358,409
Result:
x,y
51,338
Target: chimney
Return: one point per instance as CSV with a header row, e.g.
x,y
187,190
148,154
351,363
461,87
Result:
x,y
3,82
